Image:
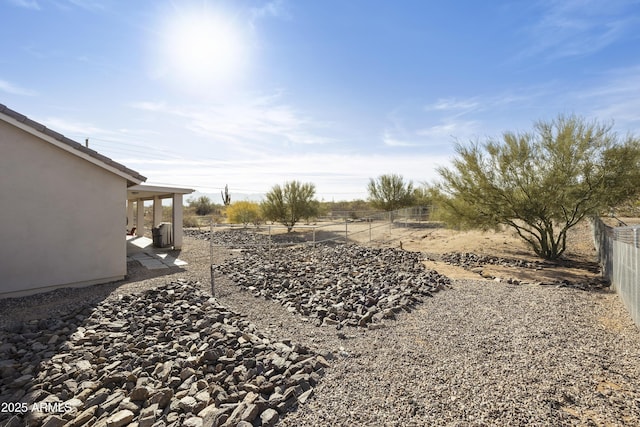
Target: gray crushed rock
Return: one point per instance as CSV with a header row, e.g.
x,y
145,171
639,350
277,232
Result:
x,y
477,353
169,356
339,285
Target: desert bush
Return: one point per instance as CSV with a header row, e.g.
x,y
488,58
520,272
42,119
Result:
x,y
390,192
541,183
244,212
190,222
202,205
290,203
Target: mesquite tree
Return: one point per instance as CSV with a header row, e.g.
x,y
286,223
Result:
x,y
202,205
290,203
541,183
390,192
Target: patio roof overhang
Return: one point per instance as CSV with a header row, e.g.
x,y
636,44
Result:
x,y
138,194
149,192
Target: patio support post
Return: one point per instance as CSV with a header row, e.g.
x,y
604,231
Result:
x,y
129,215
177,221
157,211
139,217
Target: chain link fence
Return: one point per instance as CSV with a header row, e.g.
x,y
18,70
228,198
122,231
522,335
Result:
x,y
343,227
339,227
618,251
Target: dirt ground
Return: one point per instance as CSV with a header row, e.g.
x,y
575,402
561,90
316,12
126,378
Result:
x,y
578,263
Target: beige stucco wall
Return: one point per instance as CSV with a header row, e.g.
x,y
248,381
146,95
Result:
x,y
62,218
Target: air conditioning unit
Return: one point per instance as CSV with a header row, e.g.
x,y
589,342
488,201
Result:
x,y
162,235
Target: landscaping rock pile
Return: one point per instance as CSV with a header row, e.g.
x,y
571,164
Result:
x,y
470,260
171,356
341,285
475,262
230,238
240,238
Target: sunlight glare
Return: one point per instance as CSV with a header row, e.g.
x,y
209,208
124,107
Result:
x,y
201,49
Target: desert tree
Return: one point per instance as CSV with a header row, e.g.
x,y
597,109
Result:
x,y
389,192
202,205
290,203
244,212
541,183
425,195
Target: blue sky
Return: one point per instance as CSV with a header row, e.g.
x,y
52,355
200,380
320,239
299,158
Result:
x,y
255,93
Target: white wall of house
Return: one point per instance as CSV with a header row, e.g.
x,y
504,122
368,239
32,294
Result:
x,y
62,218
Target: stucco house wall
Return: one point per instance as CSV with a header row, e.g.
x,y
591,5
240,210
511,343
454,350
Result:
x,y
62,217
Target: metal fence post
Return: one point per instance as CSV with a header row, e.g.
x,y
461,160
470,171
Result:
x,y
211,258
346,230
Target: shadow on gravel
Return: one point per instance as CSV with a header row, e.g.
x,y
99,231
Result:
x,y
162,356
136,273
590,266
64,299
28,345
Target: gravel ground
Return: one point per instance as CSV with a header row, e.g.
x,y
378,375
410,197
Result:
x,y
487,354
477,353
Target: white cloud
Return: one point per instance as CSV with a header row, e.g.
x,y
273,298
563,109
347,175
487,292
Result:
x,y
28,4
121,144
101,139
10,88
261,124
508,99
339,177
62,4
72,128
450,129
438,137
610,96
150,106
391,140
578,27
616,97
274,8
453,104
437,124
87,4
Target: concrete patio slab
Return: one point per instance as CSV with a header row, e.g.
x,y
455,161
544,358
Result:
x,y
152,264
141,249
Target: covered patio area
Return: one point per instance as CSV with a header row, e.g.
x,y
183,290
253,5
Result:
x,y
141,249
138,194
